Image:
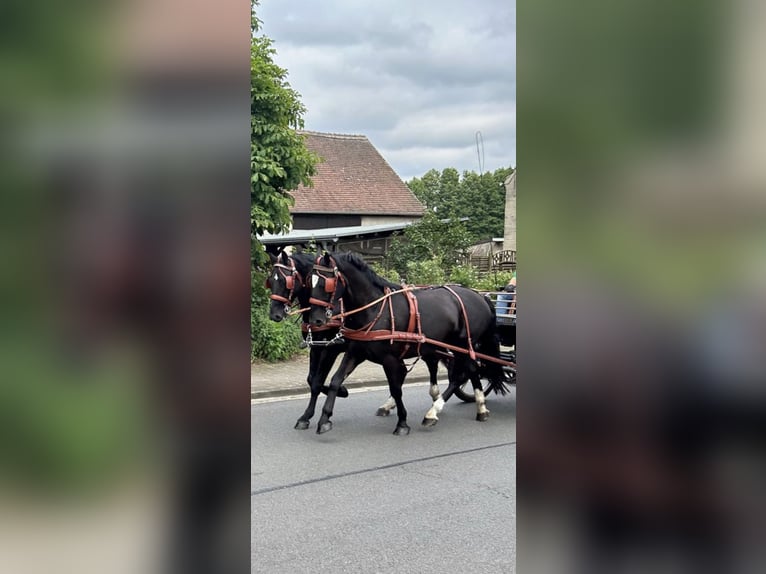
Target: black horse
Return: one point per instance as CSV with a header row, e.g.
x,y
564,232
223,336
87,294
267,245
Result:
x,y
287,284
457,316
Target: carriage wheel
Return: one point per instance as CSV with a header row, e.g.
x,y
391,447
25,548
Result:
x,y
465,392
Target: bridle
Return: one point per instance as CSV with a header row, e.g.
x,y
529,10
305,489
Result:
x,y
292,279
331,276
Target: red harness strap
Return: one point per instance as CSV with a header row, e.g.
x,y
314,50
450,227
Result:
x,y
412,323
367,334
385,335
471,352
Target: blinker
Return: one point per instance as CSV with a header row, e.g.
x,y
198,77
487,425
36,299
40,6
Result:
x,y
329,284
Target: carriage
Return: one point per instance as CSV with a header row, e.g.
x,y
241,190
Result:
x,y
505,313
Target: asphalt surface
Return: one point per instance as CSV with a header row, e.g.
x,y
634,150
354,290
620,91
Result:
x,y
360,500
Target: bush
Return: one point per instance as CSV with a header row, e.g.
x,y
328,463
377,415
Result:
x,y
493,281
429,272
386,273
465,275
272,341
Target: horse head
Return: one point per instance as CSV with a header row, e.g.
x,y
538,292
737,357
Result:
x,y
327,287
285,282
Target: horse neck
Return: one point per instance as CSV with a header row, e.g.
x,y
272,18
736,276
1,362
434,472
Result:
x,y
359,292
303,293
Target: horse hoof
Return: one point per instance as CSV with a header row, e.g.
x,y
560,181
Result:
x,y
301,425
324,427
402,430
429,422
482,416
381,412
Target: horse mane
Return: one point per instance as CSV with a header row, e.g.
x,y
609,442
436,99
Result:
x,y
362,266
303,262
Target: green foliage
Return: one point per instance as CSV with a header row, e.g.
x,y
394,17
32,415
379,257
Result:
x,y
428,239
493,281
465,275
480,198
428,272
279,159
279,162
386,272
273,341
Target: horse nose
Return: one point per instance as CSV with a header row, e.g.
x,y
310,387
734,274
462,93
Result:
x,y
318,322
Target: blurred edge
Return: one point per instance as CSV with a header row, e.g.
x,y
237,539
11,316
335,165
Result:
x,y
124,376
641,145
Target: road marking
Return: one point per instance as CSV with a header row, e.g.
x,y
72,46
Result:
x,y
353,391
376,468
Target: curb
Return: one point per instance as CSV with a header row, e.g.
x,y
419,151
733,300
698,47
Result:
x,y
295,391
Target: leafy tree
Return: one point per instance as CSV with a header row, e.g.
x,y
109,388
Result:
x,y
480,198
279,159
430,239
279,162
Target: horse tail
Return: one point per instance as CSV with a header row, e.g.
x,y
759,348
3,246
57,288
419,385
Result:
x,y
489,344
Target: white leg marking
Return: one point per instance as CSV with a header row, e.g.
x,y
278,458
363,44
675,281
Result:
x,y
431,414
439,404
388,405
481,406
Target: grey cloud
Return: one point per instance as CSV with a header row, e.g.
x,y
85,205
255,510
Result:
x,y
418,78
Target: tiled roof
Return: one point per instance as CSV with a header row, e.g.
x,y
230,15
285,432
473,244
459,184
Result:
x,y
353,178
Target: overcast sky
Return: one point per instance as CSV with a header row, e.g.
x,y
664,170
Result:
x,y
419,78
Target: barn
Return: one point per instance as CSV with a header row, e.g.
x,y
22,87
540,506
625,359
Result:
x,y
357,201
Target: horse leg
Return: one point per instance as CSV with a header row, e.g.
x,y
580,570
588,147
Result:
x,y
350,360
456,376
328,360
432,416
482,412
315,359
395,373
385,409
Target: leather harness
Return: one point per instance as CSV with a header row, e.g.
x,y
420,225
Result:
x,y
291,280
414,332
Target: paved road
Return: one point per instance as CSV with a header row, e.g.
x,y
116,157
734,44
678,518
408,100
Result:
x,y
360,500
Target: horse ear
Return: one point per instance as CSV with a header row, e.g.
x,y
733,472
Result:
x,y
272,258
285,260
326,259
